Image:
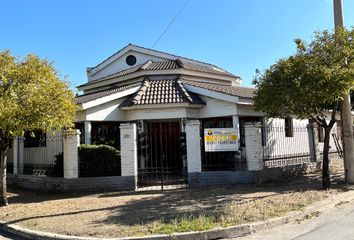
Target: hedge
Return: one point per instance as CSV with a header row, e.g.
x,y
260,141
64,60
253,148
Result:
x,y
98,161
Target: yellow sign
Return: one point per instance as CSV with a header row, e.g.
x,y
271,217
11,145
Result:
x,y
220,139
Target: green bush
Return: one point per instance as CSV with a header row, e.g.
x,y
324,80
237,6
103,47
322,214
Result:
x,y
98,161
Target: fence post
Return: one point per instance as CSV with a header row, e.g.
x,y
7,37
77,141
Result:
x,y
129,151
254,150
313,143
71,158
194,159
15,156
21,154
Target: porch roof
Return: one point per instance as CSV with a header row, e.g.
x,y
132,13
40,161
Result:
x,y
238,91
165,91
93,96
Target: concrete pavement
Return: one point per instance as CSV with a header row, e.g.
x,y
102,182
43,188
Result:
x,y
334,224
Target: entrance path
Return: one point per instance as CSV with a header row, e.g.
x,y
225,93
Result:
x,y
335,224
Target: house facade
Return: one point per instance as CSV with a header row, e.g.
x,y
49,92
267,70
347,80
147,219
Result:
x,y
165,96
177,122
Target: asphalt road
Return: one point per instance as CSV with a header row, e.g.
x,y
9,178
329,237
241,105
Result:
x,y
336,223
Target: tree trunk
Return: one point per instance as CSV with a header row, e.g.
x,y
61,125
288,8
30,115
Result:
x,y
326,183
3,186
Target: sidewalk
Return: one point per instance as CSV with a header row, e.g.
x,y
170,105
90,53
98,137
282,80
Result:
x,y
334,224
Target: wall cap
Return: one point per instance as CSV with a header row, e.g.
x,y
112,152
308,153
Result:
x,y
192,122
127,125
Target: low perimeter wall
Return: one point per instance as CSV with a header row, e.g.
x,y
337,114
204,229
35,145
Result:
x,y
219,178
72,185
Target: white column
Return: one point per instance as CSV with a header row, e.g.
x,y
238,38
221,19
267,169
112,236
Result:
x,y
129,150
194,159
21,154
253,137
87,132
235,124
15,156
71,158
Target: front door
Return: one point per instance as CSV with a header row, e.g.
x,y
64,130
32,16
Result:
x,y
162,161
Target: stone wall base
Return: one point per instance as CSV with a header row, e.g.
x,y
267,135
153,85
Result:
x,y
218,178
94,184
283,173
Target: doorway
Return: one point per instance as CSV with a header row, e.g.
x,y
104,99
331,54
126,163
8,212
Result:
x,y
162,156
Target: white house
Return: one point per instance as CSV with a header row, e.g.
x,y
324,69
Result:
x,y
177,121
161,93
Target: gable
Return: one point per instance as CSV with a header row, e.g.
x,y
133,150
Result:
x,y
119,63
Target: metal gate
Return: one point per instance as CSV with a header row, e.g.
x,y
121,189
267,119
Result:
x,y
162,157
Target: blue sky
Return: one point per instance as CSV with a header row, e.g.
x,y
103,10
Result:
x,y
236,35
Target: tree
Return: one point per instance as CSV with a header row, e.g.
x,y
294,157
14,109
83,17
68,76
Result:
x,y
310,83
32,97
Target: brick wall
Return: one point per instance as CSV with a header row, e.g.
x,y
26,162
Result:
x,y
93,184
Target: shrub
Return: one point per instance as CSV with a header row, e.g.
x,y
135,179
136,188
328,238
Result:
x,y
99,161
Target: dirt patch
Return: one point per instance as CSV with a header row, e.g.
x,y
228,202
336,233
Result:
x,y
140,213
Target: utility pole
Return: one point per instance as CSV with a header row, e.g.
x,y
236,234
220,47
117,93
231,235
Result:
x,y
346,114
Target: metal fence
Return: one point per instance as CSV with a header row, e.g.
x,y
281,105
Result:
x,y
40,154
281,148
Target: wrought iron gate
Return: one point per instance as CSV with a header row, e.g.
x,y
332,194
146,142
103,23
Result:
x,y
162,157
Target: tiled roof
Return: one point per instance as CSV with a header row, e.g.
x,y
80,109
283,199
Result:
x,y
243,92
162,92
93,96
165,65
203,68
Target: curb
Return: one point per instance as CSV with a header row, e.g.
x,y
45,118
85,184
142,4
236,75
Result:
x,y
218,233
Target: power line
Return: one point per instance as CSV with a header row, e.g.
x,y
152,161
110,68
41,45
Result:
x,y
169,25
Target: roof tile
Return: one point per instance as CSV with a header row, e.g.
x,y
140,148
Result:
x,y
243,92
93,96
162,92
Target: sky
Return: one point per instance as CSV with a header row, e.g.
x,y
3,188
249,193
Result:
x,y
239,36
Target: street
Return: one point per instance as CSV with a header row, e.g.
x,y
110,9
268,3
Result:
x,y
337,223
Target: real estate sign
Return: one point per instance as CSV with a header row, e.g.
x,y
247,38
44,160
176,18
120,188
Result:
x,y
220,139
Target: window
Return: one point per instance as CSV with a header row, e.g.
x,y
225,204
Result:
x,y
34,139
130,60
289,127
